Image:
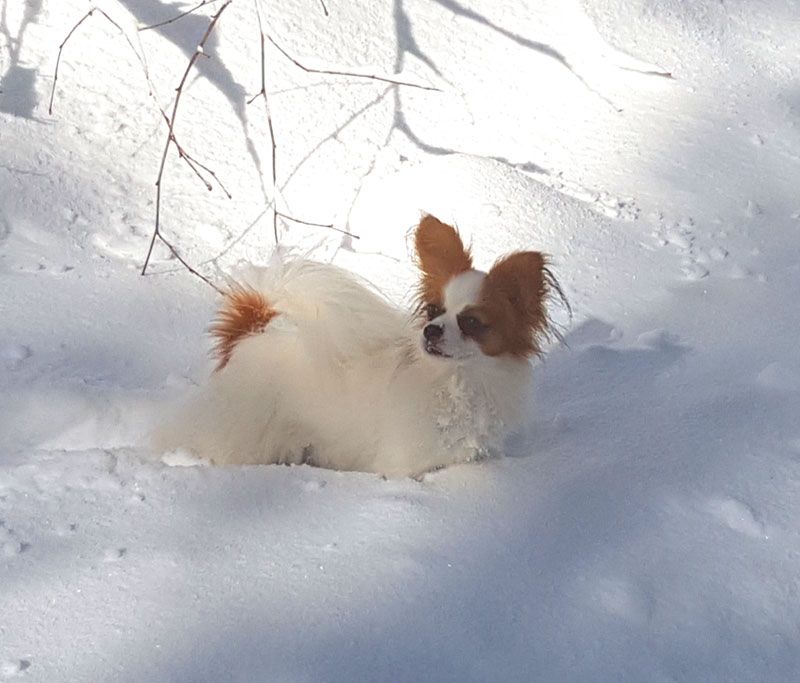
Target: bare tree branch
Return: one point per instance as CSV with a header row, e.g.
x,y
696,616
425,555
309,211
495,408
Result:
x,y
186,265
171,136
329,226
189,159
203,172
263,93
69,35
350,74
193,163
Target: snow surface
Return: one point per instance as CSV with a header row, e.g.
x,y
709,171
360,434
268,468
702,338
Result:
x,y
645,527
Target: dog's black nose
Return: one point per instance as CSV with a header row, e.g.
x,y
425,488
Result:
x,y
433,333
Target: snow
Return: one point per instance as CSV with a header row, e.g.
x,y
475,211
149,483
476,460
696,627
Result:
x,y
644,527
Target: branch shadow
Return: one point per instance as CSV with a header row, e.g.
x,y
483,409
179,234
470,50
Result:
x,y
542,48
407,45
18,82
534,45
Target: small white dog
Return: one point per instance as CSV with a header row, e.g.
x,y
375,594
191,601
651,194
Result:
x,y
315,367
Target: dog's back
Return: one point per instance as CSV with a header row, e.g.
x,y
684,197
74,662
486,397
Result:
x,y
303,351
329,307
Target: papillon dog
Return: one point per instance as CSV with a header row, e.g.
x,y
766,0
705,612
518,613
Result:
x,y
315,366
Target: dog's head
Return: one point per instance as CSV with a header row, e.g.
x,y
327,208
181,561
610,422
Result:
x,y
467,313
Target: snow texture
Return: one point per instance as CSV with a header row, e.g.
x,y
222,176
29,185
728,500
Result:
x,y
643,528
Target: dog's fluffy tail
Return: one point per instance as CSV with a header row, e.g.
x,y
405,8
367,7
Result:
x,y
283,334
331,310
244,311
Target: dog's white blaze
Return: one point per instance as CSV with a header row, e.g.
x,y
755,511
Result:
x,y
463,290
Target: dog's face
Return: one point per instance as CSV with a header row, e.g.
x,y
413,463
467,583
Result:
x,y
471,314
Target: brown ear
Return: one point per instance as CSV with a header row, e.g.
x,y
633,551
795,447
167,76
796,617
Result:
x,y
441,256
523,281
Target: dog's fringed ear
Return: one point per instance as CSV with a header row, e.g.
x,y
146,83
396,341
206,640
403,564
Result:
x,y
525,282
441,256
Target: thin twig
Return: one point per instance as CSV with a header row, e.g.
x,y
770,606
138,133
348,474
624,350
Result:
x,y
170,134
351,74
193,163
58,59
180,258
329,226
263,93
191,160
69,35
197,167
176,18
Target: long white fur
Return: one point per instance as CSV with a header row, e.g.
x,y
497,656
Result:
x,y
340,379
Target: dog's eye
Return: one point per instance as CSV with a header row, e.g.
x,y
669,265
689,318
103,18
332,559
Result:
x,y
433,311
470,326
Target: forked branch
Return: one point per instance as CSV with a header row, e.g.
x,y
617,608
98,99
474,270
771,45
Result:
x,y
171,136
66,40
263,93
198,168
274,147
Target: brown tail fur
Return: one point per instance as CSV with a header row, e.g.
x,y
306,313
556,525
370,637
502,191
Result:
x,y
244,312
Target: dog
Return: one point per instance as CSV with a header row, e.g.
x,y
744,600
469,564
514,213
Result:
x,y
315,366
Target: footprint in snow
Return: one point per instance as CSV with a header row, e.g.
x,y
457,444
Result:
x,y
710,257
608,204
694,271
752,209
594,332
311,485
13,355
10,545
624,600
700,256
13,667
394,505
739,272
657,339
779,376
65,528
737,516
680,235
114,554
